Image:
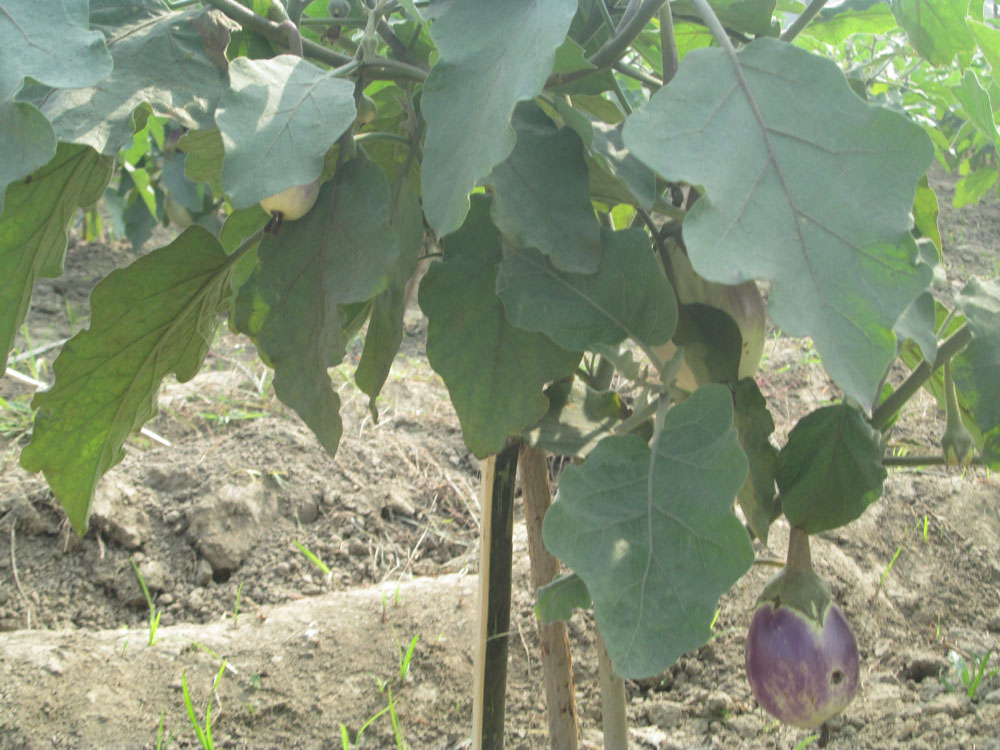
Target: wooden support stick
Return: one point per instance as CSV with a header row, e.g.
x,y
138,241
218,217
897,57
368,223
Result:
x,y
496,533
557,660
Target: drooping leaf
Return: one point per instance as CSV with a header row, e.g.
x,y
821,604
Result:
x,y
26,141
754,424
385,327
33,225
494,371
830,469
155,317
918,323
340,252
470,93
976,369
628,296
936,28
540,195
50,42
578,418
278,119
652,533
205,152
558,598
173,62
815,195
976,105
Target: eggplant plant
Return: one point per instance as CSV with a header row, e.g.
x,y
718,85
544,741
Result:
x,y
607,186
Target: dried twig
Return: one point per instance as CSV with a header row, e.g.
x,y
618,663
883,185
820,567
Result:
x,y
17,579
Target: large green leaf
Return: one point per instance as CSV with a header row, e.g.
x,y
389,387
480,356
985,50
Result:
x,y
494,371
50,42
652,533
805,185
937,29
33,225
174,62
470,93
26,141
339,253
385,327
628,297
830,469
976,369
540,195
278,120
154,317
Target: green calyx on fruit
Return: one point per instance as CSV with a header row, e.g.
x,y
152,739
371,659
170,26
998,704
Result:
x,y
957,443
741,302
797,586
292,203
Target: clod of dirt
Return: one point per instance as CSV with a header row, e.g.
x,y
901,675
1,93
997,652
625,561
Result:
x,y
225,526
117,514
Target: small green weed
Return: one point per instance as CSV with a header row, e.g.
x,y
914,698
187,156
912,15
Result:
x,y
970,672
162,743
154,613
313,558
885,573
204,734
405,659
806,741
236,609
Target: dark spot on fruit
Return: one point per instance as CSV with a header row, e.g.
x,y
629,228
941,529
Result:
x,y
837,677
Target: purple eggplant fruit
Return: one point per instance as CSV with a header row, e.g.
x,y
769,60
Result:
x,y
801,656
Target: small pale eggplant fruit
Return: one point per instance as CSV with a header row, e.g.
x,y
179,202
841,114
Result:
x,y
292,203
801,656
957,444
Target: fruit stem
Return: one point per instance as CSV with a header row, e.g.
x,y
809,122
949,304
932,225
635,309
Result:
x,y
799,557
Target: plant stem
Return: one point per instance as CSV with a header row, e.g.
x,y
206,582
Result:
x,y
613,718
612,50
803,20
668,44
378,69
626,34
798,550
884,412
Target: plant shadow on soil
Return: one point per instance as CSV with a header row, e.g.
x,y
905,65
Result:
x,y
394,516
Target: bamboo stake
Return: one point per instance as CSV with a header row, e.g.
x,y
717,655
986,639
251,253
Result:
x,y
496,533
